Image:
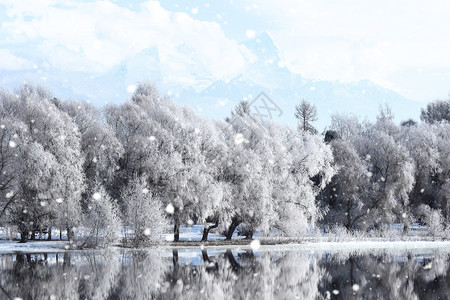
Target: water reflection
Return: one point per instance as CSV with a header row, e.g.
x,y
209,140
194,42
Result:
x,y
225,274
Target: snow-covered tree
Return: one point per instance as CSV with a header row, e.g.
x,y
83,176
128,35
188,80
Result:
x,y
436,112
48,174
421,142
391,173
245,173
306,113
346,197
163,145
143,214
440,179
102,221
99,145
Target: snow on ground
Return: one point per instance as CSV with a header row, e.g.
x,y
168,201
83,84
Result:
x,y
32,246
327,243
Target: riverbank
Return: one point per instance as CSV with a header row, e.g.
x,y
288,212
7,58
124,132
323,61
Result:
x,y
261,245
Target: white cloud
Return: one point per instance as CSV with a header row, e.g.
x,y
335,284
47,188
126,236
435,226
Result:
x,y
95,36
352,40
10,62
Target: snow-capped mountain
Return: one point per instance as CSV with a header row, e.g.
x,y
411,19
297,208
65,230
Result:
x,y
216,98
266,74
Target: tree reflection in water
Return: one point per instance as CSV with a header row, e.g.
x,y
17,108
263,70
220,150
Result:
x,y
227,274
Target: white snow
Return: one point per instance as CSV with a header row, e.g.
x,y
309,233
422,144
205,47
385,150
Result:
x,y
255,245
131,88
250,34
170,209
31,246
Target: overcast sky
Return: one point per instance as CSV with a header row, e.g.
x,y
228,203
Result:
x,y
401,45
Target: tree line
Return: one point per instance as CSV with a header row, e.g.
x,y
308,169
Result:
x,y
142,165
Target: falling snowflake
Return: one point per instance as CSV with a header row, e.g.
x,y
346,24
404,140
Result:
x,y
250,34
44,203
147,231
355,287
12,144
194,11
96,196
59,200
131,88
170,209
145,191
9,194
255,244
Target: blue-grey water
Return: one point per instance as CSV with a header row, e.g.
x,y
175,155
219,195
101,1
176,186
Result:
x,y
225,274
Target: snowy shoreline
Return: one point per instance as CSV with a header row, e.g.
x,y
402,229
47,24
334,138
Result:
x,y
11,247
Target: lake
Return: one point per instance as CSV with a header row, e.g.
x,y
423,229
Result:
x,y
219,273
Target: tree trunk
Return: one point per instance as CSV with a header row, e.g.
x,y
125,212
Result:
x,y
176,231
234,264
69,234
205,256
405,229
176,267
49,237
23,236
234,223
207,229
33,235
60,235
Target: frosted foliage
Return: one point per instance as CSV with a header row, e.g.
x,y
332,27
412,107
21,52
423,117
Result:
x,y
392,173
271,174
100,147
143,214
346,126
101,222
49,142
432,218
169,147
346,195
292,220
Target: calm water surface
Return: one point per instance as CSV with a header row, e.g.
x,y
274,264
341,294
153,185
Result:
x,y
226,274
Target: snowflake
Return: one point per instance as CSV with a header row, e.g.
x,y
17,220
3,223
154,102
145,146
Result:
x,y
255,244
250,34
170,209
